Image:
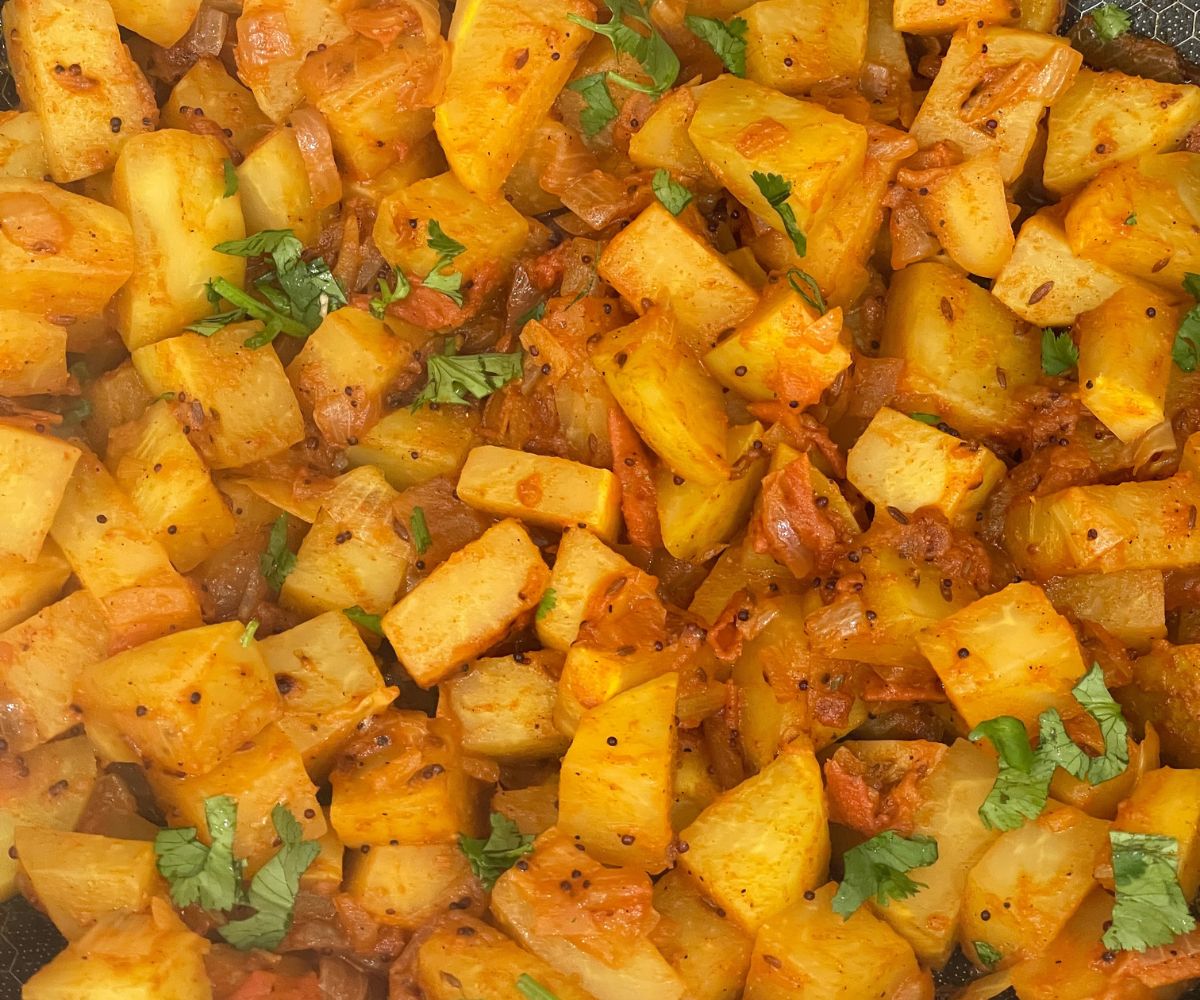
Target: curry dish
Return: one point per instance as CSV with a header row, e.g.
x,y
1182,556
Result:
x,y
541,501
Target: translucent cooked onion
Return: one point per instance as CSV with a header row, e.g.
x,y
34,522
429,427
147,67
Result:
x,y
316,147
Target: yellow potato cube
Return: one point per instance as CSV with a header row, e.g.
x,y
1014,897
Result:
x,y
40,661
468,603
27,587
1166,802
34,472
615,790
543,490
783,350
903,463
261,773
1134,216
208,91
590,677
810,951
330,683
966,207
657,260
1007,130
510,62
741,127
1031,881
762,845
274,188
1045,283
171,185
663,139
411,447
183,702
170,487
583,568
792,44
675,405
33,354
251,411
1108,118
409,885
696,519
164,23
73,69
90,257
121,875
22,152
504,706
1166,691
940,17
1021,656
352,555
492,232
1129,604
738,567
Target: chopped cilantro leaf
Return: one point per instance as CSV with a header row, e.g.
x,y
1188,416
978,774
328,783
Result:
x,y
1059,353
1023,781
598,107
927,418
651,50
420,531
459,379
248,632
504,847
777,191
1111,21
1055,744
728,40
1185,352
988,955
231,179
547,604
673,195
877,869
372,623
447,249
278,561
441,244
199,873
531,989
388,295
1131,219
536,311
1150,909
796,278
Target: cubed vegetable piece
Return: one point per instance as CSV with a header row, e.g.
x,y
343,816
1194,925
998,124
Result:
x,y
468,603
42,658
465,957
783,350
89,256
675,405
966,207
347,367
273,39
401,781
696,519
34,472
47,786
615,789
408,885
33,354
164,23
81,878
657,260
663,139
261,773
118,561
329,682
940,17
1030,882
741,127
208,91
1129,604
904,463
966,357
492,232
171,185
22,151
529,904
1166,802
533,809
274,188
1045,283
510,62
352,555
763,844
27,587
956,111
411,447
810,951
116,397
74,71
252,413
1166,692
583,567
378,100
1009,653
504,706
1101,529
792,44
708,950
135,956
1108,118
949,812
541,489
169,485
738,567
1134,216
182,702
